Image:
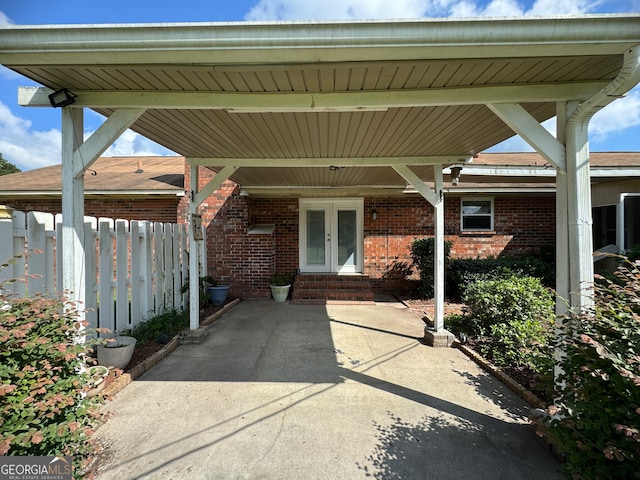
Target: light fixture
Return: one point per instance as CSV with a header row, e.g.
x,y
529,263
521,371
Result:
x,y
62,98
374,214
455,175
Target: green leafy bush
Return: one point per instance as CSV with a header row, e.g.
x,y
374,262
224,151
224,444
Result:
x,y
463,271
512,320
510,299
422,254
44,409
596,420
523,344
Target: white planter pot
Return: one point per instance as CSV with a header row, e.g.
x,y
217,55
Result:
x,y
116,354
280,292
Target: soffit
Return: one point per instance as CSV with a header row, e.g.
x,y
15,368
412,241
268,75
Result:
x,y
386,58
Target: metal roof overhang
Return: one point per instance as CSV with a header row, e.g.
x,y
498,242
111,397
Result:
x,y
341,101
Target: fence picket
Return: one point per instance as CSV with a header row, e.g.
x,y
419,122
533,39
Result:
x,y
147,304
37,224
167,234
106,314
122,274
158,258
19,253
91,278
136,282
177,279
134,269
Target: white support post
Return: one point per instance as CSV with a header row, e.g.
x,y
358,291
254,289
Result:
x,y
194,263
439,252
73,258
438,337
580,222
562,222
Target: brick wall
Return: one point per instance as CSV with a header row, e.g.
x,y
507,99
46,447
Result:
x,y
520,226
160,209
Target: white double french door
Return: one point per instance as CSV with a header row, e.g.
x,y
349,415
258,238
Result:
x,y
331,238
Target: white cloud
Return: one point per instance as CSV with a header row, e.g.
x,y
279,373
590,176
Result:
x,y
563,7
4,20
621,115
130,144
378,9
336,9
25,147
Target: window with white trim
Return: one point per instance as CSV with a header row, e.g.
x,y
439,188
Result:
x,y
477,214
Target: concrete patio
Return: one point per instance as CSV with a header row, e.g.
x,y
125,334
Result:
x,y
282,391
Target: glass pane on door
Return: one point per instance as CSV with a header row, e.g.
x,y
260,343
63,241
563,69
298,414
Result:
x,y
347,238
316,243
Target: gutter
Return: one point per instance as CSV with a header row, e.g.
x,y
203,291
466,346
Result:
x,y
577,190
308,42
627,78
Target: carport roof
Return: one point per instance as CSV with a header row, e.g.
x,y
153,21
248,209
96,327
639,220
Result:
x,y
344,100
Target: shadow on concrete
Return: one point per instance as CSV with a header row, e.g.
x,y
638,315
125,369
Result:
x,y
288,392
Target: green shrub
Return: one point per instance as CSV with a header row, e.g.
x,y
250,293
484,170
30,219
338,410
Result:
x,y
521,344
597,426
169,323
43,407
512,320
463,271
422,254
510,299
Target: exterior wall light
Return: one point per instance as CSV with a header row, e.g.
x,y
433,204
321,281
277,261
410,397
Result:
x,y
62,98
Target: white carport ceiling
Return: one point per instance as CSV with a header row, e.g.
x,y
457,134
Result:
x,y
357,95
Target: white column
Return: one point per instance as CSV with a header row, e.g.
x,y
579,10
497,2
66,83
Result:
x,y
562,220
580,221
194,254
439,253
73,258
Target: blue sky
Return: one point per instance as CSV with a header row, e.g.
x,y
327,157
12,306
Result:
x,y
30,138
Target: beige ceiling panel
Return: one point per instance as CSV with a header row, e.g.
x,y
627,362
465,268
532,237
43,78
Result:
x,y
397,132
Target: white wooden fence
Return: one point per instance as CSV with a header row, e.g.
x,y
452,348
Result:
x,y
135,269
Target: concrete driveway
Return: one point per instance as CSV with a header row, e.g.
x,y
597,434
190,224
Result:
x,y
281,391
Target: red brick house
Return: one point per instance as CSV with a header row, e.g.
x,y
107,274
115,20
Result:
x,y
501,204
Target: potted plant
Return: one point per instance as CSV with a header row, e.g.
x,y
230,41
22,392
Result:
x,y
280,284
216,291
116,352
